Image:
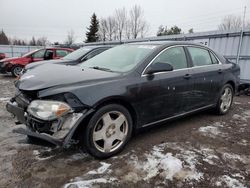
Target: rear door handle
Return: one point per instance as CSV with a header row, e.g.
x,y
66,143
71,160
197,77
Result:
x,y
187,76
220,71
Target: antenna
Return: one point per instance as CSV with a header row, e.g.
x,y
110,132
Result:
x,y
244,16
241,36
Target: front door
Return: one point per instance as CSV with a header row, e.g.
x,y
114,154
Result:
x,y
166,94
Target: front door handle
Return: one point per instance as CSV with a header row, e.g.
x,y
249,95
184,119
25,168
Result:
x,y
187,76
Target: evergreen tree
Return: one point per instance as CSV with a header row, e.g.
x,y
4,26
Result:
x,y
3,38
92,33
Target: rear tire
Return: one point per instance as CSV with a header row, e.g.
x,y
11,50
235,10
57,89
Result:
x,y
225,100
108,131
16,70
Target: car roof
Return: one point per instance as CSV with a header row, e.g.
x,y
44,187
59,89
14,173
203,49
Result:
x,y
168,43
58,48
98,46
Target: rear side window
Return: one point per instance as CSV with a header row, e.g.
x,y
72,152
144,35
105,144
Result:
x,y
174,56
214,60
61,53
199,56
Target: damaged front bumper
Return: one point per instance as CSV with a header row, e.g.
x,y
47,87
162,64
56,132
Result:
x,y
58,132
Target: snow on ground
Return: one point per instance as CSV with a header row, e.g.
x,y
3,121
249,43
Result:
x,y
91,179
104,168
237,103
229,182
181,166
243,117
86,183
212,130
4,99
39,154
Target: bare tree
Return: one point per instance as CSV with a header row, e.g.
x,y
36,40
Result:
x,y
137,21
103,29
230,22
111,27
70,38
42,41
121,19
127,29
144,29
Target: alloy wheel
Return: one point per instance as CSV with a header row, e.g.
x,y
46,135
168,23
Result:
x,y
226,99
17,71
110,131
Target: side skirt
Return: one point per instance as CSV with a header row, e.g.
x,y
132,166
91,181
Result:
x,y
180,115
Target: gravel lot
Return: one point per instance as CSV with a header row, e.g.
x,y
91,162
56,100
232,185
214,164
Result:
x,y
203,150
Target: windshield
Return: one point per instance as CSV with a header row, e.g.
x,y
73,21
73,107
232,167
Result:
x,y
77,54
29,53
121,58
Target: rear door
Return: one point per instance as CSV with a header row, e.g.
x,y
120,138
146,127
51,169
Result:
x,y
166,94
207,77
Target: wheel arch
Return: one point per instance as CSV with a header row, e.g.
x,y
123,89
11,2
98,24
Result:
x,y
121,101
110,100
231,82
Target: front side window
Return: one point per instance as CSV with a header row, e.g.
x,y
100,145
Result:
x,y
199,56
61,53
174,56
39,54
121,58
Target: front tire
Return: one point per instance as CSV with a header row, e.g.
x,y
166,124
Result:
x,y
225,100
16,70
108,131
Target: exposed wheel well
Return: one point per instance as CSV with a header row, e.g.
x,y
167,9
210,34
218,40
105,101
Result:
x,y
124,103
232,84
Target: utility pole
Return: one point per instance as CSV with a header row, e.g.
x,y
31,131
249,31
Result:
x,y
241,35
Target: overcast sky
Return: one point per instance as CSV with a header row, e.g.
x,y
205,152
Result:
x,y
54,18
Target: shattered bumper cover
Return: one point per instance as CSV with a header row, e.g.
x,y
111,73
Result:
x,y
62,130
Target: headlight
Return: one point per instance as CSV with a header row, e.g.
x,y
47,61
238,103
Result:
x,y
48,110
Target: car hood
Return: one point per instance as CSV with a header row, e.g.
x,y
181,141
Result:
x,y
50,75
56,61
10,59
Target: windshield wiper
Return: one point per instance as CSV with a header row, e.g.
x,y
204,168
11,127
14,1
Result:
x,y
101,68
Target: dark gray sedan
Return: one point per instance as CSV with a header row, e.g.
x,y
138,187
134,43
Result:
x,y
100,102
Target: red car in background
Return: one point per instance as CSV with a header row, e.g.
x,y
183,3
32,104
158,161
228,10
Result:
x,y
2,55
15,65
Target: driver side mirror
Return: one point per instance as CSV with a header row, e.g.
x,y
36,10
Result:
x,y
159,67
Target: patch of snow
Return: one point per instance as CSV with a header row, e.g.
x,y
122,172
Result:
x,y
78,156
4,99
237,103
181,166
211,130
86,183
235,157
247,114
243,142
157,162
230,182
209,156
38,155
104,168
238,175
